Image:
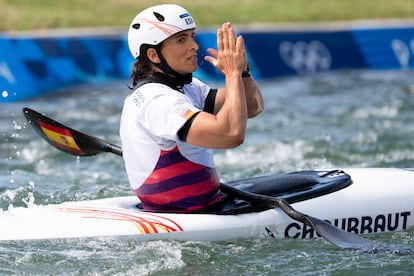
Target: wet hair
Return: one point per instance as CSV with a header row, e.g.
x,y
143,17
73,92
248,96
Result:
x,y
142,68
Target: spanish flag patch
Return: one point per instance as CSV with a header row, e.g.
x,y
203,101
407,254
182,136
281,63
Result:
x,y
188,114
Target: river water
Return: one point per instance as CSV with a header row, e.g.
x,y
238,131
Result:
x,y
332,120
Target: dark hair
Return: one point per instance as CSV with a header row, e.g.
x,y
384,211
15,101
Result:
x,y
142,67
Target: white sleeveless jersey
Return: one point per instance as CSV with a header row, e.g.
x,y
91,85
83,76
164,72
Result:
x,y
151,118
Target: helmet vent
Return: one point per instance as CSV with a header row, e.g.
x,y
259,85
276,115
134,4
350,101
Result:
x,y
136,26
159,16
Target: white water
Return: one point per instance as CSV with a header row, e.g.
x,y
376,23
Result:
x,y
342,119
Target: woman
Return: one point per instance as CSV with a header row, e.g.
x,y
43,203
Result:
x,y
171,121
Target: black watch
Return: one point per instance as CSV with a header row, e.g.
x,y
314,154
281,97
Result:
x,y
246,72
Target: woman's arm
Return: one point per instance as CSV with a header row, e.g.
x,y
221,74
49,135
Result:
x,y
226,128
254,98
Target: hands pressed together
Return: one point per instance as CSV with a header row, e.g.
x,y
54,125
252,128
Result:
x,y
231,54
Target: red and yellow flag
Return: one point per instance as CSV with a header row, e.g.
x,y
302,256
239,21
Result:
x,y
60,137
188,114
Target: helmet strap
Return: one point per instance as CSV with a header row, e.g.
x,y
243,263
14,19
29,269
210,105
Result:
x,y
163,65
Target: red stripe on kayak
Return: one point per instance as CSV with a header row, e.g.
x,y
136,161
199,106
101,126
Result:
x,y
146,222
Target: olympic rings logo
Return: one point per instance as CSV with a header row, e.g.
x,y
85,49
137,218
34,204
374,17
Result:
x,y
305,57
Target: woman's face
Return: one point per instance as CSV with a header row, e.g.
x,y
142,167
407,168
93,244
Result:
x,y
180,52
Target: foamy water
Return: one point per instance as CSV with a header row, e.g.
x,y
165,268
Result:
x,y
342,119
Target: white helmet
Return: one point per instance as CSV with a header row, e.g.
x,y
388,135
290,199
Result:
x,y
155,24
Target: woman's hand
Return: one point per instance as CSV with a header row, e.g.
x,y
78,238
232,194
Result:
x,y
231,55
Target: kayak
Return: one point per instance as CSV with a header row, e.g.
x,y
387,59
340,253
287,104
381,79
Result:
x,y
358,200
257,207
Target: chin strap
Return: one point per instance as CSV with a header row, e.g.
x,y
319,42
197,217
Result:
x,y
181,79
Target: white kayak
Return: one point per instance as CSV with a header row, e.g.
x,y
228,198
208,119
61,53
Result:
x,y
379,200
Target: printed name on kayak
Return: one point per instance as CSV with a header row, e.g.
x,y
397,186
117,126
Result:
x,y
380,223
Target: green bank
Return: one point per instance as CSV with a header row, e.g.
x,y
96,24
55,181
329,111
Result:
x,y
50,14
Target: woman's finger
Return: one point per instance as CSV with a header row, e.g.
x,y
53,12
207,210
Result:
x,y
220,40
240,46
225,36
212,52
231,37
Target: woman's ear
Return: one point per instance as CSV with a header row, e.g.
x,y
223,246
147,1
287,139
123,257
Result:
x,y
153,56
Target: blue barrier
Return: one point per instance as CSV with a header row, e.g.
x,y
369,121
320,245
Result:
x,y
288,53
386,48
30,66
